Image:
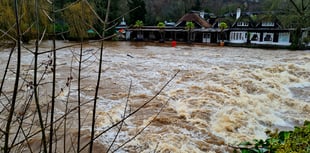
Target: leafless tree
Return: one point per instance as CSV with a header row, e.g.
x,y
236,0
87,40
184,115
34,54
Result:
x,y
38,111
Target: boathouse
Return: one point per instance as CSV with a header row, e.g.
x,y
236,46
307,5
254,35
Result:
x,y
203,30
247,28
250,28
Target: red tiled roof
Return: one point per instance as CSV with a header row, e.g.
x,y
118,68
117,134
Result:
x,y
194,17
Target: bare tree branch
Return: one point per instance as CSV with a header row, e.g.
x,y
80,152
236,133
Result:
x,y
125,109
138,133
18,67
6,69
98,17
134,112
36,96
70,5
296,7
98,80
6,34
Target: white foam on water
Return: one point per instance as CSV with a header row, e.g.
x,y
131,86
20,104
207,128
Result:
x,y
221,96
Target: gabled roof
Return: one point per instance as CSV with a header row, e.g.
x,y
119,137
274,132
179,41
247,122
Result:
x,y
244,18
195,18
268,18
228,20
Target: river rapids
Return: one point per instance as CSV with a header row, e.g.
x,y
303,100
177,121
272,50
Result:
x,y
219,97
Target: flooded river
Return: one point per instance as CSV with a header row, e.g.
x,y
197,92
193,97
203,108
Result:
x,y
219,97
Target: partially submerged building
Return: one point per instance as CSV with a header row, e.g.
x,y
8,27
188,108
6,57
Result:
x,y
266,30
243,28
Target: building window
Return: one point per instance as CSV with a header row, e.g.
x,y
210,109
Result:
x,y
268,24
268,37
255,36
242,24
239,36
284,37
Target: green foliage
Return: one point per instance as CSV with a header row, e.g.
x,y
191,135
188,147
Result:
x,y
138,24
28,17
139,13
163,10
297,141
306,40
7,18
254,18
197,5
61,27
79,18
161,25
189,25
228,8
223,26
296,14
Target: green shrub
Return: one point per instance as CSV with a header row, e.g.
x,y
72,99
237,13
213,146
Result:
x,y
306,40
297,141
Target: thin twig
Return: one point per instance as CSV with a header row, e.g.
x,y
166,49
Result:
x,y
6,69
156,147
35,73
42,36
57,120
98,17
70,5
6,34
18,67
98,80
137,134
28,28
21,119
134,112
53,84
125,109
77,44
79,95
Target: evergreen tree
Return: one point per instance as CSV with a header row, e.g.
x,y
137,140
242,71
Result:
x,y
294,14
116,10
138,13
197,5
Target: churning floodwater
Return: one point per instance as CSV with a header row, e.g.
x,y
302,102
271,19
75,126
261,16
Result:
x,y
220,97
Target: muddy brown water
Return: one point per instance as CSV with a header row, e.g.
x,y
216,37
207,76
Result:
x,y
220,97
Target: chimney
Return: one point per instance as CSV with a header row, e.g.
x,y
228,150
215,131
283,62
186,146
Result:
x,y
123,22
202,14
238,14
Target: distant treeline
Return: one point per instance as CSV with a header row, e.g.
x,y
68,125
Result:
x,y
78,18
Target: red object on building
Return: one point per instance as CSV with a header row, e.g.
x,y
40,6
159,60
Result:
x,y
121,31
173,43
